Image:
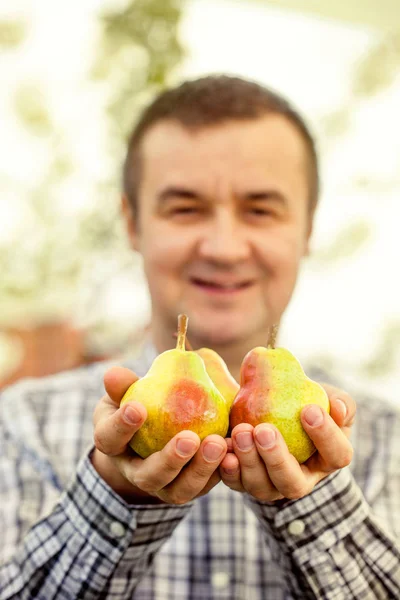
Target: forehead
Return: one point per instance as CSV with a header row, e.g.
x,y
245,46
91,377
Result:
x,y
269,146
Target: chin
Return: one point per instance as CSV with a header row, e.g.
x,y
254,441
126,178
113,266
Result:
x,y
219,332
208,327
211,339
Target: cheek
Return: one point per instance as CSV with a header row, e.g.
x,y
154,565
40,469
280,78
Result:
x,y
164,254
282,261
282,252
159,267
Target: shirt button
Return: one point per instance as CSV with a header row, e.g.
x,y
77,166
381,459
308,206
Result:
x,y
117,529
296,527
220,579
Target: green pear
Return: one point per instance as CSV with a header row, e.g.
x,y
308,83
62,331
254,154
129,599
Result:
x,y
274,389
178,394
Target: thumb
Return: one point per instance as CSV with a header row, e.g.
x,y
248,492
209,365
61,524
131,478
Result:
x,y
117,380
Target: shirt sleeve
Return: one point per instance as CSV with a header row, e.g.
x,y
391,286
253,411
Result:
x,y
330,545
90,545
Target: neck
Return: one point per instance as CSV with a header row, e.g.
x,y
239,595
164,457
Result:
x,y
232,353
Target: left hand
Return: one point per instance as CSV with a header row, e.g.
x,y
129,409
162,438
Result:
x,y
270,473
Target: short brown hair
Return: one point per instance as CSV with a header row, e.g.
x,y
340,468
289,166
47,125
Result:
x,y
208,101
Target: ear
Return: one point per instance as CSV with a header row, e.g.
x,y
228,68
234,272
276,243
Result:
x,y
130,222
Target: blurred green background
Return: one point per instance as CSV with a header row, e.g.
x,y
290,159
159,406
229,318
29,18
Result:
x,y
74,76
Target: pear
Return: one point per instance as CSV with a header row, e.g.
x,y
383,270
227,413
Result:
x,y
178,394
274,389
220,375
218,370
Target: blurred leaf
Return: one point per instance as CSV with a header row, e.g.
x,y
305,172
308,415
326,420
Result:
x,y
348,241
100,229
379,68
138,50
336,123
30,106
379,186
376,71
12,33
61,166
384,360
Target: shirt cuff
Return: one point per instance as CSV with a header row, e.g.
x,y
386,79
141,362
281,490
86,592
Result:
x,y
107,522
318,521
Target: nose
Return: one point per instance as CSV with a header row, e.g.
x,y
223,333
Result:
x,y
224,239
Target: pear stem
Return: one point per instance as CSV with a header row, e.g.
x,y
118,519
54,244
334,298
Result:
x,y
272,336
182,329
188,345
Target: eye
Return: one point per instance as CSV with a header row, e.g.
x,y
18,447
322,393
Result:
x,y
259,211
184,210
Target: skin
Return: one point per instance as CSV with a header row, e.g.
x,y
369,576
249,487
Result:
x,y
229,204
225,205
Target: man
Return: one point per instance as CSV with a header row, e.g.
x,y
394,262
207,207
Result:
x,y
220,189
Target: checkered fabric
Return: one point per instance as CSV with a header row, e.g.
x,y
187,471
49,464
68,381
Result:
x,y
64,534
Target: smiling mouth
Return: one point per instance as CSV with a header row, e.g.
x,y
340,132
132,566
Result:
x,y
218,287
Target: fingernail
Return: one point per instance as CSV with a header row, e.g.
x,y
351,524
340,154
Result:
x,y
212,451
266,437
231,471
186,447
131,415
342,407
313,415
244,440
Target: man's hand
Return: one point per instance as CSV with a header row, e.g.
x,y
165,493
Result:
x,y
262,466
183,470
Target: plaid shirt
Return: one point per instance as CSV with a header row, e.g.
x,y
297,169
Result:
x,y
65,534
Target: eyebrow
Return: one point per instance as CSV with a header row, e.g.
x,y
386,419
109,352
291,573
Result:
x,y
184,193
266,195
176,192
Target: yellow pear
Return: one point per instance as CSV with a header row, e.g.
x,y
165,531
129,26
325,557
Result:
x,y
178,394
274,389
219,373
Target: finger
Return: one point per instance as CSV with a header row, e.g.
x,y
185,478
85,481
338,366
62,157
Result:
x,y
254,476
230,465
212,482
196,475
116,381
105,408
113,432
229,444
158,470
342,405
283,469
334,449
229,470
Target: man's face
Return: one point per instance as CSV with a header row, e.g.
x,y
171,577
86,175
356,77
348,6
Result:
x,y
222,226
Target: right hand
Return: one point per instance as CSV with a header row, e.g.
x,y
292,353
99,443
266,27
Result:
x,y
161,477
